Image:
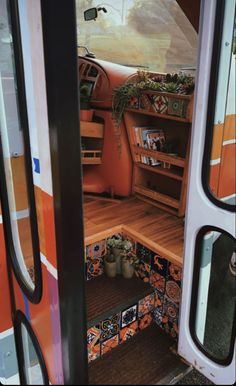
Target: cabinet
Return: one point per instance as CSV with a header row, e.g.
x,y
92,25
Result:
x,y
158,185
92,134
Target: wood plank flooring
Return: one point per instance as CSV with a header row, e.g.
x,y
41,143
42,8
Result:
x,y
152,223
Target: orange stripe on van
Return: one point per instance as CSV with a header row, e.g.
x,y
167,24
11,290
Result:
x,y
217,141
214,178
5,304
227,180
230,127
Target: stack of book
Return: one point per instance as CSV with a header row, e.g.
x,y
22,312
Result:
x,y
149,138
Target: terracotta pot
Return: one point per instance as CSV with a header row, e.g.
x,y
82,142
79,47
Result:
x,y
110,267
86,115
127,269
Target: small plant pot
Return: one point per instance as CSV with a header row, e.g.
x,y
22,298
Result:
x,y
127,269
117,254
110,266
86,115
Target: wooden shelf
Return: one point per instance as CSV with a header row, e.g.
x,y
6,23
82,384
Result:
x,y
160,170
93,132
158,155
167,200
155,114
162,187
91,157
148,104
91,129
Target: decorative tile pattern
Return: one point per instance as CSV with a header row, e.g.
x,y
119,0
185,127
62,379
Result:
x,y
171,311
144,254
175,273
134,103
145,321
129,316
93,336
128,332
145,102
94,353
93,341
177,107
161,306
146,305
96,250
110,327
159,301
160,265
95,268
160,104
173,291
143,272
157,281
170,327
109,344
157,317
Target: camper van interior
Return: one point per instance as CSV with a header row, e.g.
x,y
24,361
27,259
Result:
x,y
137,73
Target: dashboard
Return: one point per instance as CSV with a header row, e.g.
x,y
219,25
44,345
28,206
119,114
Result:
x,y
102,77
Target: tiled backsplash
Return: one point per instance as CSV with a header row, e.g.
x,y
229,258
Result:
x,y
119,328
162,306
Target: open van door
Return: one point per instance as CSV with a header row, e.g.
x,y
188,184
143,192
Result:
x,y
207,326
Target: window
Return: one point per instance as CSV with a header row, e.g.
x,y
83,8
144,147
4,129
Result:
x,y
151,34
31,363
220,151
16,179
213,307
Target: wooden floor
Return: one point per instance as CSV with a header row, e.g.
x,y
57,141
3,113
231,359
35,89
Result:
x,y
160,231
159,227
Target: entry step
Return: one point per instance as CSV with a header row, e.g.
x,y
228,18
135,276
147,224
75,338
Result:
x,y
147,359
108,296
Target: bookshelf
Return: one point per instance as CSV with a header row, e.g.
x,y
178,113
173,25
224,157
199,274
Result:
x,y
161,186
92,134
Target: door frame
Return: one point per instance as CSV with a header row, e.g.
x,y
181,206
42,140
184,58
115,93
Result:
x,y
201,208
61,69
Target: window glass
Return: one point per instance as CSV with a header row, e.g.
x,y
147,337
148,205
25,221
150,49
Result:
x,y
222,176
32,369
154,34
14,153
215,309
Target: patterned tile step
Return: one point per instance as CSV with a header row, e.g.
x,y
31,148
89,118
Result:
x,y
145,360
106,297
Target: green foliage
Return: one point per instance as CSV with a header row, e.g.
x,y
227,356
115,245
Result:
x,y
116,242
171,87
84,97
173,83
132,258
121,99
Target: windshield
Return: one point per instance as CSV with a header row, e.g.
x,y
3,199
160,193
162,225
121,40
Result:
x,y
152,34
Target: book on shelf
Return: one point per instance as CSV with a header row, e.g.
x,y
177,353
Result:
x,y
149,138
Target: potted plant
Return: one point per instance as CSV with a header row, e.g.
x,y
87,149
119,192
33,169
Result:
x,y
118,247
110,265
86,113
130,262
129,94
